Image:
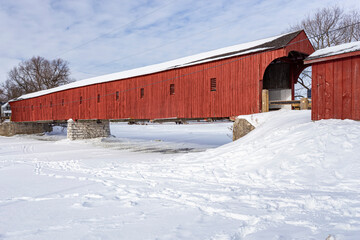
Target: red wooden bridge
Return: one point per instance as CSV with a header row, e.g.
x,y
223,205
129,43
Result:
x,y
217,84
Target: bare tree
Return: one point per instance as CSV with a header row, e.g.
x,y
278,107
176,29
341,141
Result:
x,y
304,82
34,75
9,90
327,27
352,32
330,26
2,96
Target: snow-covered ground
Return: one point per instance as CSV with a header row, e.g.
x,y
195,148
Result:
x,y
288,179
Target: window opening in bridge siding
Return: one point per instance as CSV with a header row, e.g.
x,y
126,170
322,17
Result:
x,y
40,106
142,92
23,109
213,84
172,89
62,102
98,98
32,107
80,99
117,96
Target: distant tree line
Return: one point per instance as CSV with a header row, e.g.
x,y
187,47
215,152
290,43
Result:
x,y
34,75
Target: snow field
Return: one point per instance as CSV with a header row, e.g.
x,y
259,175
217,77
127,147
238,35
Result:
x,y
288,179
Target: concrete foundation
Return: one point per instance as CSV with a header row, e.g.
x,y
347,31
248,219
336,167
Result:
x,y
13,128
241,127
84,129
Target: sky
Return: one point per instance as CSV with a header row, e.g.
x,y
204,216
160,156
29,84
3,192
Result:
x,y
98,37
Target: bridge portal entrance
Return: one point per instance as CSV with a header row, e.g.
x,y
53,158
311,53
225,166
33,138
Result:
x,y
280,77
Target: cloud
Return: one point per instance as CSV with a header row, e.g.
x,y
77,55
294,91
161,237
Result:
x,y
99,37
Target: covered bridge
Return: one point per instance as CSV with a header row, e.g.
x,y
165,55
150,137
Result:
x,y
336,82
217,84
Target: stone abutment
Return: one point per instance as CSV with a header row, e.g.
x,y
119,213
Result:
x,y
12,128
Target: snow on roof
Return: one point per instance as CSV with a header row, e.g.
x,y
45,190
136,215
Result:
x,y
336,50
5,105
227,52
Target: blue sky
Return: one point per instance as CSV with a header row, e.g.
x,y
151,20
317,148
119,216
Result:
x,y
98,36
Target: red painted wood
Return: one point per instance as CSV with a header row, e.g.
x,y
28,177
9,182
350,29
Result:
x,y
320,93
355,68
329,91
300,44
238,91
338,92
341,97
347,89
314,93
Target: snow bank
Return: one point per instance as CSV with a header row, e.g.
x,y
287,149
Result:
x,y
299,178
260,118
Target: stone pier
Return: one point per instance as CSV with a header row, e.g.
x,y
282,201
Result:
x,y
12,128
84,129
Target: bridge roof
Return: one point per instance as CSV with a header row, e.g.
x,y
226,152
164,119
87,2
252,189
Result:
x,y
331,53
271,43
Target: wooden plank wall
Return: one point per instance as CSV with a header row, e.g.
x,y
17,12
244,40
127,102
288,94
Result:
x,y
301,44
238,92
336,89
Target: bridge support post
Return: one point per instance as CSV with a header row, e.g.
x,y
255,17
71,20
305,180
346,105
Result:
x,y
304,104
265,100
84,129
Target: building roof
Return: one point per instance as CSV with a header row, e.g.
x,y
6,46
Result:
x,y
271,43
5,105
333,51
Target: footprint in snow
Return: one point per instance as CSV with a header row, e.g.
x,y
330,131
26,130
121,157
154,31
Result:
x,y
94,196
130,204
82,205
347,146
87,204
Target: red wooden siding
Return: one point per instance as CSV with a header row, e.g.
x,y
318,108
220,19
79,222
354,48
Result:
x,y
238,91
336,88
300,44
